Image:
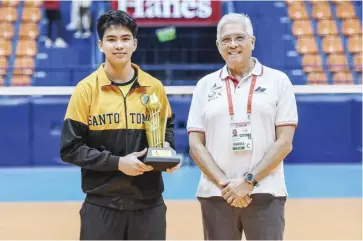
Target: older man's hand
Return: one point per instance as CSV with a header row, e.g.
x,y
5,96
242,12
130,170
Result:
x,y
236,193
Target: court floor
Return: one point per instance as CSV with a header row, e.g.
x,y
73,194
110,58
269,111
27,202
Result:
x,y
325,203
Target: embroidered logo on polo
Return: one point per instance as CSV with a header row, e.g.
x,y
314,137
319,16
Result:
x,y
215,92
259,89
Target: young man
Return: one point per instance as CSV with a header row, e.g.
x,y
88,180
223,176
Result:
x,y
104,134
241,126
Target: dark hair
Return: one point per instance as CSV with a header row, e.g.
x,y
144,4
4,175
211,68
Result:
x,y
116,18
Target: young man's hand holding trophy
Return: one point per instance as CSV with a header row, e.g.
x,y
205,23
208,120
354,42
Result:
x,y
160,156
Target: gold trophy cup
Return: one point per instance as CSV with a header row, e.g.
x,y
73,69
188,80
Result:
x,y
158,156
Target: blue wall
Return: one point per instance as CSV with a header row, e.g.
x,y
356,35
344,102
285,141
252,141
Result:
x,y
329,131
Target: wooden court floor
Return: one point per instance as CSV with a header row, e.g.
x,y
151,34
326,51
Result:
x,y
306,219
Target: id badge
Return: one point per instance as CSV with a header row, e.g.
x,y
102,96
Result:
x,y
241,136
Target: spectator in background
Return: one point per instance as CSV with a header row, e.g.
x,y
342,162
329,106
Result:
x,y
84,20
73,16
53,14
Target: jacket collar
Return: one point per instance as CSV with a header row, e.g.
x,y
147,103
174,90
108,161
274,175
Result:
x,y
141,81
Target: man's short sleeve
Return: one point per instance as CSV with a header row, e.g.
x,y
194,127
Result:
x,y
286,104
195,121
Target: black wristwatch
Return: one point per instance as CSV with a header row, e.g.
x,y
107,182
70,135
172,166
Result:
x,y
250,178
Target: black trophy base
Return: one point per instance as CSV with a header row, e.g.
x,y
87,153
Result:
x,y
161,158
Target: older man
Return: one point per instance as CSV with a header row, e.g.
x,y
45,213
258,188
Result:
x,y
241,126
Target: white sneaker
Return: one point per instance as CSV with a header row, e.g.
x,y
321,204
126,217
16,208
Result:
x,y
86,34
60,43
78,34
48,43
71,26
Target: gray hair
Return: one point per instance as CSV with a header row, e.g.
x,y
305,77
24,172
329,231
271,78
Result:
x,y
241,18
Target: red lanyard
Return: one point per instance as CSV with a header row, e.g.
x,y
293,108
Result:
x,y
250,95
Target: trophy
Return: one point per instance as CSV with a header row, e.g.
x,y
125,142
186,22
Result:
x,y
158,156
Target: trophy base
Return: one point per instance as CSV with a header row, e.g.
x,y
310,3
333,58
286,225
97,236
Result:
x,y
161,158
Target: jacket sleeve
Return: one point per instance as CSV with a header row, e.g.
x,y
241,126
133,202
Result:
x,y
169,131
73,148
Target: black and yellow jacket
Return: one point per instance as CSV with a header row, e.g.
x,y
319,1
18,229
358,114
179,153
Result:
x,y
101,125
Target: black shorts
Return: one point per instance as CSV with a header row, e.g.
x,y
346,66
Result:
x,y
53,15
104,223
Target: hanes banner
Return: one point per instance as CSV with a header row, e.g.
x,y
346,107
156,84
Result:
x,y
171,12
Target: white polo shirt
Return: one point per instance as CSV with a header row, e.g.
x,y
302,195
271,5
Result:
x,y
273,104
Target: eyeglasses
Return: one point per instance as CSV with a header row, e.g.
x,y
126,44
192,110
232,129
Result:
x,y
238,39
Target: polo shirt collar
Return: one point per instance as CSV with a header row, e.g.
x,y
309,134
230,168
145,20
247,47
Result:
x,y
257,70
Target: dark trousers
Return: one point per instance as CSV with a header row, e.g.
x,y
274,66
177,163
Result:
x,y
54,16
263,219
102,223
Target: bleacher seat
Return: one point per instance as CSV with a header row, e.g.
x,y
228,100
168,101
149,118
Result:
x,y
3,65
29,31
6,30
345,10
302,28
357,61
306,45
26,47
345,77
337,62
297,11
327,27
20,80
355,44
33,3
23,65
8,14
31,14
5,47
9,3
321,10
317,78
332,44
312,63
351,27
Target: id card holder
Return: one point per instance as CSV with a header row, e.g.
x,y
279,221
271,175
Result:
x,y
241,136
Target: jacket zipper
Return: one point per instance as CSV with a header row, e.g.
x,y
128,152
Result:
x,y
127,127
